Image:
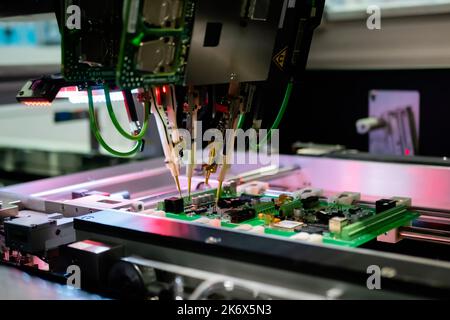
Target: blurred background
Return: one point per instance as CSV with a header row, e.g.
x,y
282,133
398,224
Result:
x,y
357,81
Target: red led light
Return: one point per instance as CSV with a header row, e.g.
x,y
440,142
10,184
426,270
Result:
x,y
221,108
158,96
37,103
68,89
407,152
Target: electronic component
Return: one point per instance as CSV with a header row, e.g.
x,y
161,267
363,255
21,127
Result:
x,y
240,215
155,51
41,91
230,202
287,225
308,216
287,208
162,13
384,204
174,205
324,216
313,228
310,202
283,198
268,218
358,213
346,198
402,201
203,199
297,213
254,188
307,192
229,188
336,224
156,56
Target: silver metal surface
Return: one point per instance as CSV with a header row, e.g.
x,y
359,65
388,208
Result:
x,y
156,55
423,234
18,285
428,186
257,288
163,13
306,285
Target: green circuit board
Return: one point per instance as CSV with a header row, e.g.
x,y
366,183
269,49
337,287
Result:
x,y
155,42
363,222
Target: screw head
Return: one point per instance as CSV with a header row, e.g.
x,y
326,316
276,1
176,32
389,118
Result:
x,y
213,240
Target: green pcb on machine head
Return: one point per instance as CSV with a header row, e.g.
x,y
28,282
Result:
x,y
91,39
155,42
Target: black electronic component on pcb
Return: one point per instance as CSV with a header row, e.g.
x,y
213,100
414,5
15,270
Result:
x,y
384,204
174,205
310,202
240,215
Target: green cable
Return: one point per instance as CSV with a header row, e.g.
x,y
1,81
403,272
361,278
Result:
x,y
116,122
241,120
280,114
98,136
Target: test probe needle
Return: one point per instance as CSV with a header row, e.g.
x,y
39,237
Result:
x,y
226,165
189,174
212,155
177,182
190,166
233,92
221,178
167,147
227,159
173,168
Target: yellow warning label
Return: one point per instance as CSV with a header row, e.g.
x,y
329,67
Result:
x,y
280,58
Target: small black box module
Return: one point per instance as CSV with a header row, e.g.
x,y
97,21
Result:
x,y
384,204
174,205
